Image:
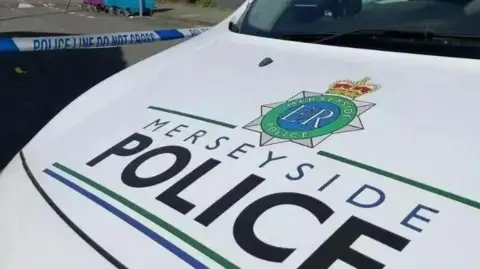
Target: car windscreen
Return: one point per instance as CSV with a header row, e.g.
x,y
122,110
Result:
x,y
274,18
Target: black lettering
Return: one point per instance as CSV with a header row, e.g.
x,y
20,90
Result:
x,y
170,196
176,130
300,171
367,188
239,149
61,42
271,158
121,150
44,45
243,227
120,40
229,199
157,124
217,143
337,247
99,41
130,178
115,40
196,135
414,214
329,182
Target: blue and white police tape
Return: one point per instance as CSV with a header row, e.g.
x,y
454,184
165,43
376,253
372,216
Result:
x,y
95,41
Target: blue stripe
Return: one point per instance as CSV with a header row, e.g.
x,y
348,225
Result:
x,y
7,44
169,34
137,225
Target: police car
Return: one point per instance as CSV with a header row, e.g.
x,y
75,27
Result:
x,y
273,140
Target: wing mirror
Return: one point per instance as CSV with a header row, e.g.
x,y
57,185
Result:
x,y
233,27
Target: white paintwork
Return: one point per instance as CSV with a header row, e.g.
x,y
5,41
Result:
x,y
25,5
424,127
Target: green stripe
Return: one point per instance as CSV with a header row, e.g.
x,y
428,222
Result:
x,y
223,124
405,180
163,224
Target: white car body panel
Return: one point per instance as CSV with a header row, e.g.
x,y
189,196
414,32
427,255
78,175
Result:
x,y
423,130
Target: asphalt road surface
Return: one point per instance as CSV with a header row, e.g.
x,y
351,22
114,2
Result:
x,y
37,85
230,3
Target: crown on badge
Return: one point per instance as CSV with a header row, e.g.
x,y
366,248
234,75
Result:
x,y
352,89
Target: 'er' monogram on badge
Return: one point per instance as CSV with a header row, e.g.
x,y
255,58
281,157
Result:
x,y
304,113
309,118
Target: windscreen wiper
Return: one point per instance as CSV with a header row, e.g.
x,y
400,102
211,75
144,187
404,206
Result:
x,y
403,35
397,34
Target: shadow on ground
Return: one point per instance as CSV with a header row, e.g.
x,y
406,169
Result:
x,y
37,85
160,10
155,11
